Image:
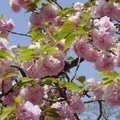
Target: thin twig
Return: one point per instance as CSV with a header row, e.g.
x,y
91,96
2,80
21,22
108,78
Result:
x,y
3,87
78,65
76,116
91,101
21,34
118,33
54,101
66,75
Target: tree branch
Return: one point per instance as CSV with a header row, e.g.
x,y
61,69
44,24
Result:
x,y
100,110
21,70
55,1
6,93
72,64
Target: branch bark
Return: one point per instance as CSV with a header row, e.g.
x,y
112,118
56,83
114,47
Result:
x,y
100,110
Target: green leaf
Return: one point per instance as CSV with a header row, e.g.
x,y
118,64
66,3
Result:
x,y
27,54
66,30
113,1
31,7
73,86
67,11
106,81
10,75
105,73
108,73
18,99
71,38
51,50
81,79
69,58
4,54
25,81
36,34
7,112
88,4
49,81
87,16
2,16
52,112
37,2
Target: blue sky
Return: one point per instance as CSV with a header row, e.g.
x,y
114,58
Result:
x,y
21,25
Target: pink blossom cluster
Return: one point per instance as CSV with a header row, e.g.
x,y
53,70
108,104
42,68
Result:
x,y
3,44
51,65
112,93
6,26
117,58
28,111
76,104
32,94
47,14
78,7
64,110
5,68
9,99
83,50
103,38
97,92
16,5
103,8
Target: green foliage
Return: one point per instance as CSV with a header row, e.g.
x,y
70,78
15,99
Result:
x,y
33,6
66,11
53,113
51,50
9,75
36,34
111,76
4,54
2,16
49,81
18,99
73,86
113,1
69,58
27,54
71,38
7,111
81,79
25,81
67,29
89,4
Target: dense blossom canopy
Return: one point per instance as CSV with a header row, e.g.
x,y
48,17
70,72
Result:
x,y
35,83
